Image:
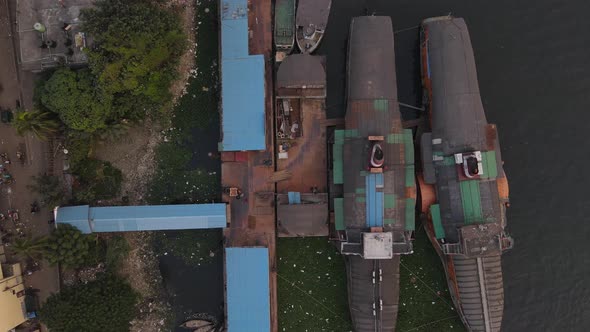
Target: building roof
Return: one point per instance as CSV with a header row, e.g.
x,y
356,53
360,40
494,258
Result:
x,y
143,218
242,83
13,311
54,17
248,296
242,102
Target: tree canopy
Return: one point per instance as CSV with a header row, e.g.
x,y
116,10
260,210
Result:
x,y
68,246
75,98
39,123
106,304
138,44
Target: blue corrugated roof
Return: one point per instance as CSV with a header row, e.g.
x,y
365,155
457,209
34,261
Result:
x,y
76,216
234,30
248,296
144,218
374,200
242,83
242,102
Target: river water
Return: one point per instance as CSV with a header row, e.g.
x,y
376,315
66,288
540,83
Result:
x,y
534,75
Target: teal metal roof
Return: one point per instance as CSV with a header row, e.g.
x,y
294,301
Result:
x,y
248,295
143,218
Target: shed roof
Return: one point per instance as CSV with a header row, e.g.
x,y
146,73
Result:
x,y
234,30
76,216
248,296
242,83
143,218
242,103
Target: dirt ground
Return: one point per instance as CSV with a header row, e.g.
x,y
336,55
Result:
x,y
16,87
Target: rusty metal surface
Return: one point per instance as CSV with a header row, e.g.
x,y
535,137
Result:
x,y
301,70
314,12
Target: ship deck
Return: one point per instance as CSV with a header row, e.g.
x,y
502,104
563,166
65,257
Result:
x,y
314,12
284,23
301,137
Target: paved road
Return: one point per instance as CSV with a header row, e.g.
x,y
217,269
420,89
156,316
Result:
x,y
17,88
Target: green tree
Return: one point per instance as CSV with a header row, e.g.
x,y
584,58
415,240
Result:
x,y
97,180
138,44
80,104
113,132
29,247
50,189
41,124
106,304
69,247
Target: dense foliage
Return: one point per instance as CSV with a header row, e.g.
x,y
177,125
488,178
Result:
x,y
69,247
138,45
74,96
132,62
106,304
97,180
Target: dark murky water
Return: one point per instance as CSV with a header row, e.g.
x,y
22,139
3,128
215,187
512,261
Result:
x,y
193,289
534,74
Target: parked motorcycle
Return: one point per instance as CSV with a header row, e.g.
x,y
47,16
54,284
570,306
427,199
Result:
x,y
21,157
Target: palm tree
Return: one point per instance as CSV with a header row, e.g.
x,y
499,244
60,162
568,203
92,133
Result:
x,y
42,124
29,247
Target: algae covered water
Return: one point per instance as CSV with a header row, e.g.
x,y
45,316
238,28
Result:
x,y
534,76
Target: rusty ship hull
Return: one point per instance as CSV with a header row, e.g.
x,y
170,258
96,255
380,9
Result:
x,y
464,189
375,215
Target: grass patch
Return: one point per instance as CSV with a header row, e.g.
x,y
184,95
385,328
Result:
x,y
425,302
312,291
311,286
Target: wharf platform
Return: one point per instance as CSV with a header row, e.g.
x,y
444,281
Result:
x,y
253,217
302,199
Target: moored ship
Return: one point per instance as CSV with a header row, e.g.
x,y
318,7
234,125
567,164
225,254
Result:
x,y
463,186
311,21
284,29
373,160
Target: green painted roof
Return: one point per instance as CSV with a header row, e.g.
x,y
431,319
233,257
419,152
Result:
x,y
471,201
339,214
410,214
284,22
338,170
439,231
490,166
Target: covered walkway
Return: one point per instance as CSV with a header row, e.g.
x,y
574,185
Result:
x,y
143,218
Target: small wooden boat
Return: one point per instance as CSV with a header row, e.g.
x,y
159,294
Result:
x,y
284,25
